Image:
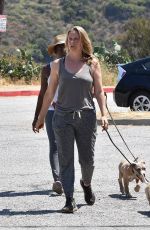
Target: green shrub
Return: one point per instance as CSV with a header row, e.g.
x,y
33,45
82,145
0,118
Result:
x,y
112,56
19,67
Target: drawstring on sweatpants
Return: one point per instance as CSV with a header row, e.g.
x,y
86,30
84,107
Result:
x,y
77,112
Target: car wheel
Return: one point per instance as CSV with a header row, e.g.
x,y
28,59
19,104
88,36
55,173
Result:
x,y
140,101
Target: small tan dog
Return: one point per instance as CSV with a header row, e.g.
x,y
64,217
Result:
x,y
129,172
147,192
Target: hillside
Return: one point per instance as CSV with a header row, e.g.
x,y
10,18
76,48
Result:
x,y
32,24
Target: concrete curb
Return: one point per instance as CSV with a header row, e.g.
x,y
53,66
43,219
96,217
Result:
x,y
14,93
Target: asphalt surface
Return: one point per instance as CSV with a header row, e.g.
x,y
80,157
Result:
x,y
26,199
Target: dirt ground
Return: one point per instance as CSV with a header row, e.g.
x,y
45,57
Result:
x,y
19,87
127,118
128,115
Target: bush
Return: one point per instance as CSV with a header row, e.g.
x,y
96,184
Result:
x,y
113,56
19,67
108,59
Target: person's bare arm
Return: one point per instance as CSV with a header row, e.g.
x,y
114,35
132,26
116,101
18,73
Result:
x,y
99,92
44,77
49,95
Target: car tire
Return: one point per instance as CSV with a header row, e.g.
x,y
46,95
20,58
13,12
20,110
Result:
x,y
140,101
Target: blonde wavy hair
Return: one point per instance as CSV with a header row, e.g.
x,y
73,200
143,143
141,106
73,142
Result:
x,y
87,48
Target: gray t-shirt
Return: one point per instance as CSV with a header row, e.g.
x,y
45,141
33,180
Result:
x,y
75,90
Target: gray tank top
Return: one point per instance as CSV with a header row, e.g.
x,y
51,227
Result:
x,y
75,90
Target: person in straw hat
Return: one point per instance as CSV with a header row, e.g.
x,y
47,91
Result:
x,y
56,50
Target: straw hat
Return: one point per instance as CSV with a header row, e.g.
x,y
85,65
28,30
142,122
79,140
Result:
x,y
59,39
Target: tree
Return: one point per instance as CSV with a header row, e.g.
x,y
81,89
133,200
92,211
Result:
x,y
136,38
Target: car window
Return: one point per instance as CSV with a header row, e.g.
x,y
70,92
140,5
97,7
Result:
x,y
147,65
142,68
139,69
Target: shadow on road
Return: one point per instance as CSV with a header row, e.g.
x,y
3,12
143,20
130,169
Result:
x,y
33,193
121,197
145,213
8,212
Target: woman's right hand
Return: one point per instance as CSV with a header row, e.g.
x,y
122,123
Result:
x,y
39,125
33,125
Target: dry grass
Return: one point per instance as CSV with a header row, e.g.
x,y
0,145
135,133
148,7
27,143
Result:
x,y
109,75
8,83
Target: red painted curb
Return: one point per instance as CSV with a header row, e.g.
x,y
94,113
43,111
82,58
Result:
x,y
108,89
19,93
35,92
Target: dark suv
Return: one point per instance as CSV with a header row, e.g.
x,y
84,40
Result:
x,y
133,88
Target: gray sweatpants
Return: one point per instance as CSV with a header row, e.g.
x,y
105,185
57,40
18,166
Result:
x,y
80,127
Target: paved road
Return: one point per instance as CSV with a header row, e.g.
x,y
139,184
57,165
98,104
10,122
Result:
x,y
26,199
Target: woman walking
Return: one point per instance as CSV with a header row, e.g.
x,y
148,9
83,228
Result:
x,y
75,117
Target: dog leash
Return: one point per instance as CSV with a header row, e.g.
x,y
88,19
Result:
x,y
135,158
137,173
117,146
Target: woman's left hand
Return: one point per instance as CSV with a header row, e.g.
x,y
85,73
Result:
x,y
104,123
